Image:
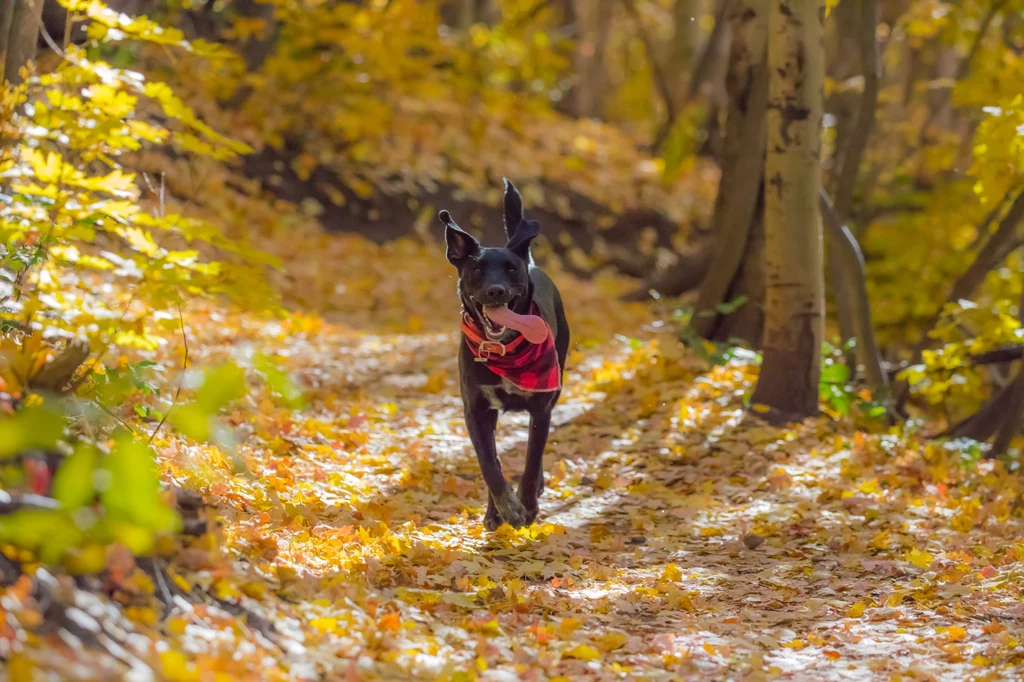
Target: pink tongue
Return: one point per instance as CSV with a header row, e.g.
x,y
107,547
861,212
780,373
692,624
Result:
x,y
530,326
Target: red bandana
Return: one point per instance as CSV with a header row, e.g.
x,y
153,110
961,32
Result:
x,y
529,366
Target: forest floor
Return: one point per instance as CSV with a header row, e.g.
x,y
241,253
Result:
x,y
679,537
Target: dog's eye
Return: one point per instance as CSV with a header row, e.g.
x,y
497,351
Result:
x,y
511,269
477,272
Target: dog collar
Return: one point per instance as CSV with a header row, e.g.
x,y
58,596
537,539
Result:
x,y
528,366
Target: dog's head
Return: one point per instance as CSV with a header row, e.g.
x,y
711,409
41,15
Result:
x,y
494,276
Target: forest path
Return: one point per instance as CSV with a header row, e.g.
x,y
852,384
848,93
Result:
x,y
678,536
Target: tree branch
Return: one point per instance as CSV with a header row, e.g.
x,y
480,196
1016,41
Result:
x,y
858,140
854,297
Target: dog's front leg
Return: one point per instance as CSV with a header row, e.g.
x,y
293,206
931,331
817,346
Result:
x,y
532,484
481,420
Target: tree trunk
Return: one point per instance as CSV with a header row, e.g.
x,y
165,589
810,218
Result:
x,y
1013,417
852,294
1002,243
683,51
984,423
856,144
594,19
22,36
6,17
742,163
794,287
467,14
746,323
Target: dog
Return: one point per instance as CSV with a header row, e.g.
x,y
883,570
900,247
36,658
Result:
x,y
500,370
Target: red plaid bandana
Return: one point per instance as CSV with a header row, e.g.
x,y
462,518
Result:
x,y
529,366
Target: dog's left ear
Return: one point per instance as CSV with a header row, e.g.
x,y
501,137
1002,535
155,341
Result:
x,y
461,244
524,236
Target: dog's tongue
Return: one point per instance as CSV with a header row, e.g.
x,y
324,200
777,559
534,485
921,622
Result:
x,y
530,326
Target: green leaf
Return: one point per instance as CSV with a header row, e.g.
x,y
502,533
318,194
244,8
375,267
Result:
x,y
728,308
221,386
839,399
280,383
835,374
73,484
133,493
34,427
50,532
191,421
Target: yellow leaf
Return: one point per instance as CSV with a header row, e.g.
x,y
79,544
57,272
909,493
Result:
x,y
919,558
856,611
21,668
795,644
141,615
324,624
89,559
225,590
760,408
672,573
435,382
955,633
583,653
612,640
869,487
176,667
567,626
463,599
980,660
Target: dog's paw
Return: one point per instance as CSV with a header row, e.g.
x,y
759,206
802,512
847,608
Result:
x,y
492,520
530,505
511,510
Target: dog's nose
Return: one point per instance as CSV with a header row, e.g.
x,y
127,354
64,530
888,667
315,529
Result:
x,y
496,292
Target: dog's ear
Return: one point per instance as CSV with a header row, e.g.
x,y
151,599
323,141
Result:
x,y
520,242
461,244
513,209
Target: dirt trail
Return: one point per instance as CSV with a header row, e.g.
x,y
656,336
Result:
x,y
679,538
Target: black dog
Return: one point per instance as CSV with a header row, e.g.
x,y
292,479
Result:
x,y
499,368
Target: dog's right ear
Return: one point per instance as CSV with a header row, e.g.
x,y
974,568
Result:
x,y
461,244
513,209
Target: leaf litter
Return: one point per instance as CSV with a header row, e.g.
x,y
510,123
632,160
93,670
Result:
x,y
679,536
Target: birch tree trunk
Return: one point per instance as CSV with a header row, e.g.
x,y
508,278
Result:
x,y
21,37
794,286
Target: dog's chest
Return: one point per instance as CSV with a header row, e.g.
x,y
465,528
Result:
x,y
505,396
